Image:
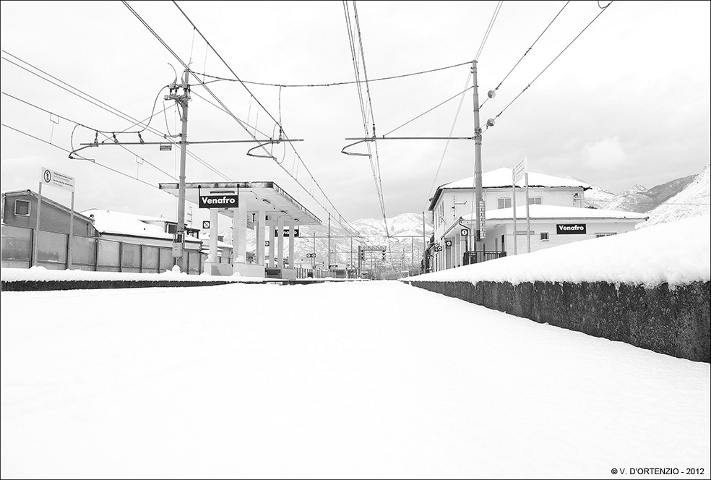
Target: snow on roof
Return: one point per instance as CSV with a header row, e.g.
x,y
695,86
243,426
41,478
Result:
x,y
120,223
647,256
501,177
556,211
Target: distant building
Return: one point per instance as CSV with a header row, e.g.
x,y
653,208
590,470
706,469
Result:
x,y
556,211
19,209
141,229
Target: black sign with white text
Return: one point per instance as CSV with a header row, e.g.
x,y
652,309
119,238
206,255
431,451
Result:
x,y
287,232
218,201
570,228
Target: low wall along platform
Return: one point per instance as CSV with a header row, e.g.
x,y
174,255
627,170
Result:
x,y
673,321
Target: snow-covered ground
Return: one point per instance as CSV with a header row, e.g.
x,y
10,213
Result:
x,y
44,274
367,379
676,253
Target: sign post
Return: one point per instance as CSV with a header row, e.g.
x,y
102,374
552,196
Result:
x,y
52,177
517,172
528,217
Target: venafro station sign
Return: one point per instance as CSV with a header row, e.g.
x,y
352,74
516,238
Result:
x,y
223,200
571,228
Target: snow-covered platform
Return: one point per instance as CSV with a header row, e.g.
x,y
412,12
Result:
x,y
649,288
40,278
110,383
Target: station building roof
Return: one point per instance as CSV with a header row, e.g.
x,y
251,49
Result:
x,y
253,196
501,178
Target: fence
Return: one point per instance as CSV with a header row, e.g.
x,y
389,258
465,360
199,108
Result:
x,y
90,253
302,272
481,256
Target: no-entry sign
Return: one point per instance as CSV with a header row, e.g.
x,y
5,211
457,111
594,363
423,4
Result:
x,y
218,201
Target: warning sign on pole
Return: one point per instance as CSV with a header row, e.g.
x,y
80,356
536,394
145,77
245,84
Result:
x,y
53,177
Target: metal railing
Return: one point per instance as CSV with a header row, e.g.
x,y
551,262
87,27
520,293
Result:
x,y
481,256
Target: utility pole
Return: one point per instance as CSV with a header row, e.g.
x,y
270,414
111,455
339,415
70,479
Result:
x,y
182,104
313,258
329,243
477,157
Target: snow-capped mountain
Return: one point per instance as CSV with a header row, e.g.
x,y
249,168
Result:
x,y
692,201
638,198
403,250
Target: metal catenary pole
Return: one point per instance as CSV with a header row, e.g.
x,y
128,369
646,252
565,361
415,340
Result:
x,y
182,103
329,243
477,155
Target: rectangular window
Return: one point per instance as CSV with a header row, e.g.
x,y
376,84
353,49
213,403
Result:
x,y
604,234
504,202
544,235
22,208
171,227
534,201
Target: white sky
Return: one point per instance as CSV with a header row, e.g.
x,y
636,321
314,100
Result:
x,y
628,103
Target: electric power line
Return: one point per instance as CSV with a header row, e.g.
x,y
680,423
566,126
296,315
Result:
x,y
451,131
366,110
87,127
553,61
102,105
68,151
216,78
488,29
341,219
532,45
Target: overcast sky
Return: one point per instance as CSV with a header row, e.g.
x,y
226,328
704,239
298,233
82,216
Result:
x,y
628,103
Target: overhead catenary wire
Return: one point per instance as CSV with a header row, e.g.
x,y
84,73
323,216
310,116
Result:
x,y
451,131
488,30
531,46
337,83
102,105
87,127
99,103
553,61
340,217
94,162
366,108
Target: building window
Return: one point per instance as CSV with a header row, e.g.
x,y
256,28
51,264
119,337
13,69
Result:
x,y
604,234
22,208
544,235
534,201
504,202
171,227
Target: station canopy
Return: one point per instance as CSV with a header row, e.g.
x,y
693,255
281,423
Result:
x,y
253,196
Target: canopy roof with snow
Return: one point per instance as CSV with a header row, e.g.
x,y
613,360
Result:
x,y
501,178
253,196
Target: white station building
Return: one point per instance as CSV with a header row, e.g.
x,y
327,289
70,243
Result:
x,y
556,212
261,205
